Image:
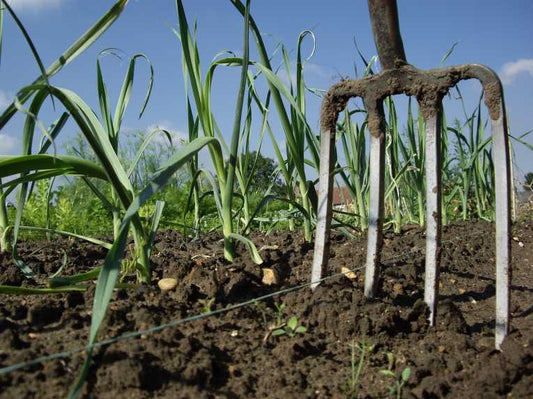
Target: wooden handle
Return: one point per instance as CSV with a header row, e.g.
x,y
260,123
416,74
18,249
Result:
x,y
386,28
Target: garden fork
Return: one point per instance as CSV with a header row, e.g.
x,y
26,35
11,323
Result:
x,y
429,87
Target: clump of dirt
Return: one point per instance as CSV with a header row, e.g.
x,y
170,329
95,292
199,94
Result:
x,y
235,355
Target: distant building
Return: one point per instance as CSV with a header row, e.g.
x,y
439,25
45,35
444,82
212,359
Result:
x,y
342,198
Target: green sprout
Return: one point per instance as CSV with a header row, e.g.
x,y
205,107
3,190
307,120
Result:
x,y
364,349
398,381
279,313
290,328
281,327
207,305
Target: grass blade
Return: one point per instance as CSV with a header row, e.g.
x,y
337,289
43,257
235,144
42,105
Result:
x,y
79,46
109,274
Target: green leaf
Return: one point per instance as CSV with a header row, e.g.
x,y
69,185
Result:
x,y
79,46
252,249
300,330
279,331
292,323
15,164
406,373
388,373
143,146
56,282
109,273
9,290
125,92
154,225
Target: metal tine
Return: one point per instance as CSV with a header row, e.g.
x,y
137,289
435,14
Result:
x,y
325,198
432,120
376,124
429,87
503,251
495,103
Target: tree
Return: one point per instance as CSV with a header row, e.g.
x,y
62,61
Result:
x,y
528,185
264,174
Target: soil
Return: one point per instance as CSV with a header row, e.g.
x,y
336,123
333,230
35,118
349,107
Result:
x,y
231,354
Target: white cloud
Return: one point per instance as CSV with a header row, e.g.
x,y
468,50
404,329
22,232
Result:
x,y
7,144
34,4
5,100
178,136
511,70
317,70
309,69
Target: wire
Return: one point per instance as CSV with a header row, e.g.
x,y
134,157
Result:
x,y
134,334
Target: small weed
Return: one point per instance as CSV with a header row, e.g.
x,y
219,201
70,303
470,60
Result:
x,y
364,349
263,309
279,313
280,327
207,305
128,266
398,381
290,328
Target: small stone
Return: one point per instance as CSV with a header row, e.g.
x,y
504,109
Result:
x,y
453,281
200,259
348,273
270,277
521,244
269,247
167,284
234,333
398,288
33,335
441,348
462,291
487,342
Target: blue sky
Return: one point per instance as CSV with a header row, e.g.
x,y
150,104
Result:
x,y
492,32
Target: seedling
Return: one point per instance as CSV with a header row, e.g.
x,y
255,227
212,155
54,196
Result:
x,y
354,380
262,308
279,313
395,390
281,327
207,305
290,328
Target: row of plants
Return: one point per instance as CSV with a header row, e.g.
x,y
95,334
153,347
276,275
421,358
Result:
x,y
126,189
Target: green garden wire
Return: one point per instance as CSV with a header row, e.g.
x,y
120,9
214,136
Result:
x,y
134,334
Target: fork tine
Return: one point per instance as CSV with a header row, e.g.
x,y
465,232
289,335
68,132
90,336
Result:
x,y
325,197
376,124
495,103
502,184
432,119
503,226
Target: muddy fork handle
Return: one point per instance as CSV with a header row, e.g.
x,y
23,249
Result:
x,y
386,28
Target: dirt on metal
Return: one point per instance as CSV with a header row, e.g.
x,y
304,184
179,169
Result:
x,y
227,356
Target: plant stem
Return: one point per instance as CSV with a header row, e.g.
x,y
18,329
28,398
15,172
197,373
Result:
x,y
227,195
5,240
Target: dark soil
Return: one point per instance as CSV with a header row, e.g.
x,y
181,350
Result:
x,y
227,356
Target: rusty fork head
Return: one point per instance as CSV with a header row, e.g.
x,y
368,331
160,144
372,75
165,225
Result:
x,y
429,87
